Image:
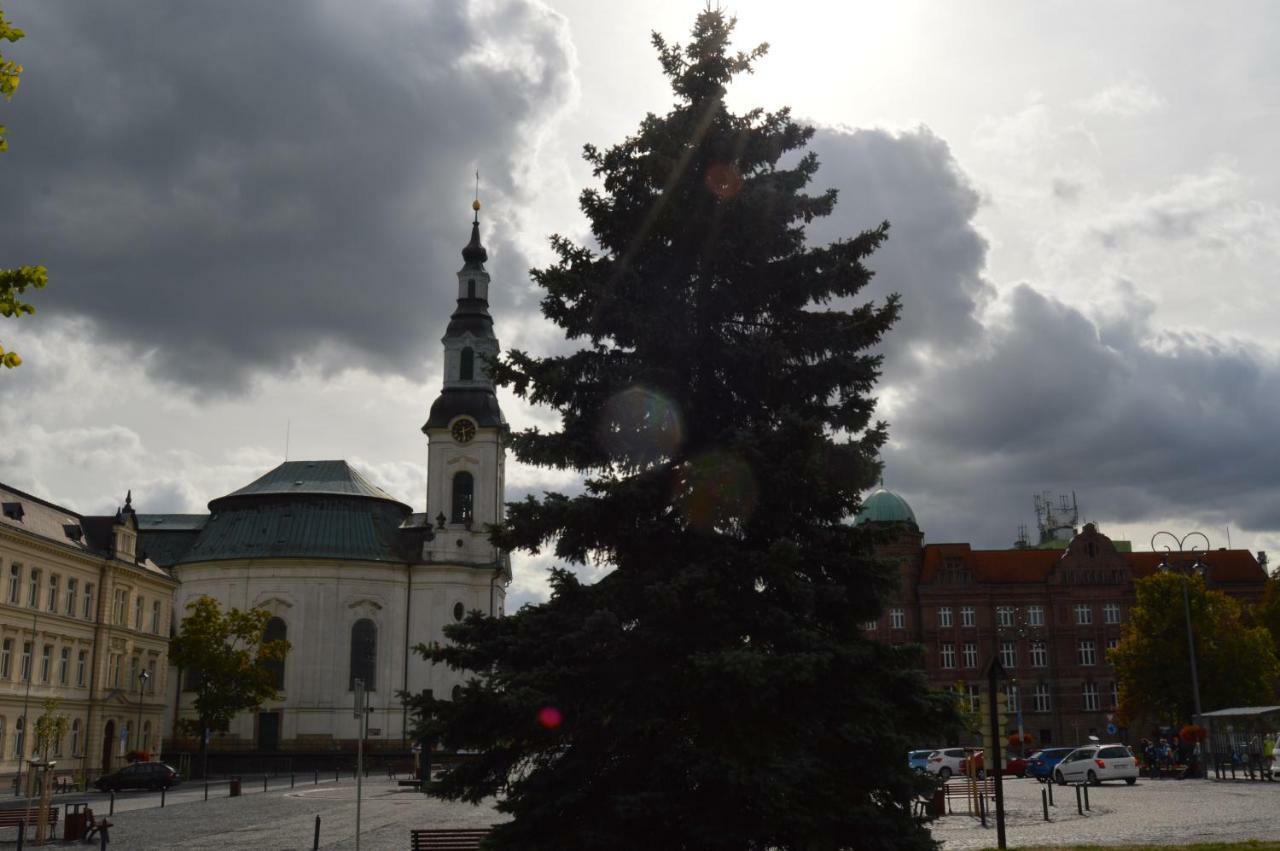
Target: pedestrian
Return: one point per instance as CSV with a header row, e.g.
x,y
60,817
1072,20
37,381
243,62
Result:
x,y
1269,756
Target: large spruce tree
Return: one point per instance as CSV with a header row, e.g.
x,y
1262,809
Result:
x,y
714,689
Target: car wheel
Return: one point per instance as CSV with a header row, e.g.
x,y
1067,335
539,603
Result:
x,y
1131,780
1093,779
945,772
1059,779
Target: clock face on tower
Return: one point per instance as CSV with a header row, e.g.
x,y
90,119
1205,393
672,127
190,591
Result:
x,y
463,430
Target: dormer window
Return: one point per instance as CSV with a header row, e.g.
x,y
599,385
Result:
x,y
13,510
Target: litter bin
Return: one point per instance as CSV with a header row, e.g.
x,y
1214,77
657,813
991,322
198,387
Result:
x,y
74,824
938,803
235,787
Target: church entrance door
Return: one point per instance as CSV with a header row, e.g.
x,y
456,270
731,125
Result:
x,y
268,731
108,746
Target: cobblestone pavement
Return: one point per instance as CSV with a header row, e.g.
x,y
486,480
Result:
x,y
279,819
1163,812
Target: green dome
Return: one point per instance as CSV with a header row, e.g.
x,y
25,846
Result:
x,y
886,507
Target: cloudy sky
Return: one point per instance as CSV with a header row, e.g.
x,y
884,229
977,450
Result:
x,y
252,212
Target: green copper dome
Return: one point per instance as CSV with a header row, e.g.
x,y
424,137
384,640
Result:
x,y
886,507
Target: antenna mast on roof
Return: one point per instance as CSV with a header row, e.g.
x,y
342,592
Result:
x,y
1056,522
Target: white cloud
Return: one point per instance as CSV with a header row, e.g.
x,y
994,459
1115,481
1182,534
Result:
x,y
1127,99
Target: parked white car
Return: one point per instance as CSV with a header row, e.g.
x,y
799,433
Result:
x,y
1095,763
948,761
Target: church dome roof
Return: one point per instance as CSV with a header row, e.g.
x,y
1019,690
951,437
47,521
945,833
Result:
x,y
886,507
311,477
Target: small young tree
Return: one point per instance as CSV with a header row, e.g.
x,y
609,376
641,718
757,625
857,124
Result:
x,y
715,690
226,661
51,727
1236,663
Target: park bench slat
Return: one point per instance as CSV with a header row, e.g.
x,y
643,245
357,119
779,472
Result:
x,y
448,839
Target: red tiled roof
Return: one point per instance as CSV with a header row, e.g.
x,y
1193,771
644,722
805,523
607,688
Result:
x,y
1033,566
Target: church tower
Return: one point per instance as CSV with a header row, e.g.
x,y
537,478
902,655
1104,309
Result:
x,y
466,432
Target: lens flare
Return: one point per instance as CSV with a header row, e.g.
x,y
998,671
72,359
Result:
x,y
724,180
549,717
716,492
640,426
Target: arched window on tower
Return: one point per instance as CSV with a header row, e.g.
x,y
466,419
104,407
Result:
x,y
364,653
464,487
467,367
276,630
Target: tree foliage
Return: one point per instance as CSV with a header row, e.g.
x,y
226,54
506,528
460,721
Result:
x,y
226,661
1236,663
14,282
1266,613
51,727
715,689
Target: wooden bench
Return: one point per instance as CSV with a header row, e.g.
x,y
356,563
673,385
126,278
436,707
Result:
x,y
961,789
445,839
15,818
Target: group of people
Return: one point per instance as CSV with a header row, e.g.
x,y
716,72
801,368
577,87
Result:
x,y
1170,757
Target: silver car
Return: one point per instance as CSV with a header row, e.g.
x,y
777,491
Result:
x,y
1095,763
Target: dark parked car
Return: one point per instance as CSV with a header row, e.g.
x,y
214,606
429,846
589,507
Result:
x,y
140,775
1040,764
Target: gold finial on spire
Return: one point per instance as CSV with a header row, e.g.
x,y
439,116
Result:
x,y
475,205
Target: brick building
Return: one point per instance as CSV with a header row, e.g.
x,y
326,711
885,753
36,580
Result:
x,y
1077,592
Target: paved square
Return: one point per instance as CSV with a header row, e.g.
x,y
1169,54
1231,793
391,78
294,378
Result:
x,y
1166,812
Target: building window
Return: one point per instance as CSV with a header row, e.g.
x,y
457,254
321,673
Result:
x,y
19,739
137,612
1041,697
1090,697
364,653
6,662
88,601
1004,615
81,658
1009,654
1,737
1039,656
1035,615
72,586
113,670
46,663
15,582
948,655
1115,694
967,616
1111,613
53,592
1084,652
118,603
897,619
464,486
1011,698
26,661
135,665
467,365
871,626
1084,614
970,654
57,746
64,665
459,611
974,693
155,617
75,737
944,616
151,679
146,735
276,630
33,594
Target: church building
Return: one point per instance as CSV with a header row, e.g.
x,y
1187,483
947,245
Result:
x,y
354,578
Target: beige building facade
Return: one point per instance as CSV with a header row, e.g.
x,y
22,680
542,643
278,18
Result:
x,y
83,621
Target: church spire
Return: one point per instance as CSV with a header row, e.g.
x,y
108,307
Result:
x,y
474,253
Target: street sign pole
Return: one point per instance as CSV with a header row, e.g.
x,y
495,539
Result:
x,y
993,763
360,722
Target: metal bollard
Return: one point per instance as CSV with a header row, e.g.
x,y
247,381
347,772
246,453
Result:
x,y
22,832
104,838
163,789
264,784
291,778
315,843
1085,786
1079,805
1044,803
335,775
112,811
1049,785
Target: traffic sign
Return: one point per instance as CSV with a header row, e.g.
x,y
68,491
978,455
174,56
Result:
x,y
1112,729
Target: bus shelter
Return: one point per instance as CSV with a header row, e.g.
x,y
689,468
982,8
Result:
x,y
1237,739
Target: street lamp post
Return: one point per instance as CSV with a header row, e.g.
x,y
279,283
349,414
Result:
x,y
1199,568
143,679
996,671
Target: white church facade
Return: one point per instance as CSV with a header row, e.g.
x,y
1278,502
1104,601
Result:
x,y
352,577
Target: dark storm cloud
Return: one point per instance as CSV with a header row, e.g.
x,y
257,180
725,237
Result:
x,y
1143,423
230,185
934,257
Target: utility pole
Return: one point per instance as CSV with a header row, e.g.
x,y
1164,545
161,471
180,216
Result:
x,y
361,717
